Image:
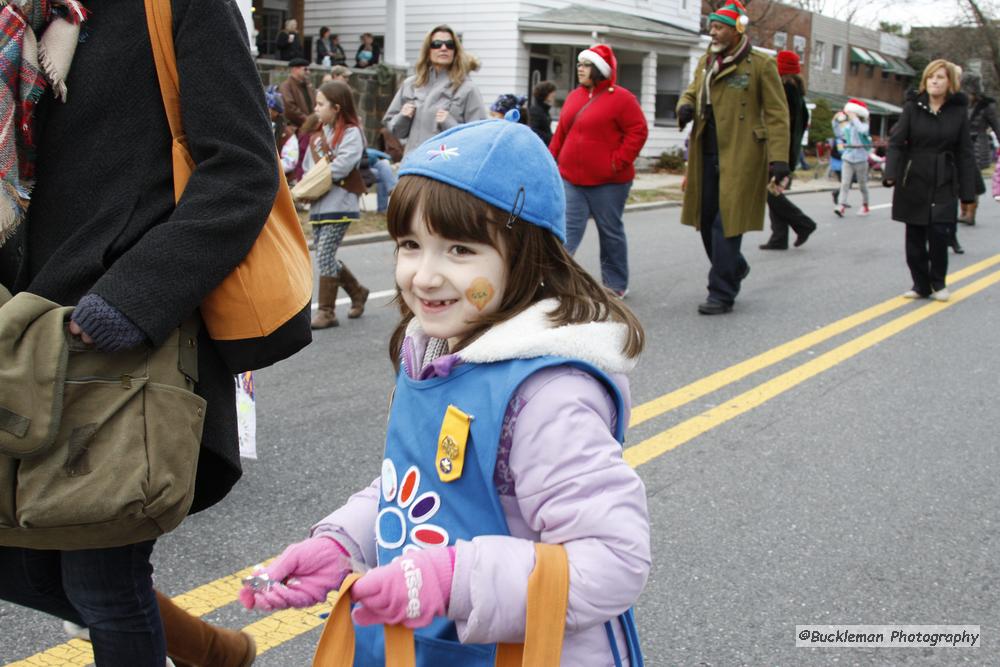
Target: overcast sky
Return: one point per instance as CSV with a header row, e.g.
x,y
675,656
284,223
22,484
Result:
x,y
909,13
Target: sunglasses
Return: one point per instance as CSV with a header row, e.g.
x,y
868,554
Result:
x,y
448,44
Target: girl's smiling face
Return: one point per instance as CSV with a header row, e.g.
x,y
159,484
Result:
x,y
448,284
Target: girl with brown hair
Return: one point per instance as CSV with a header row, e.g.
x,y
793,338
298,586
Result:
x,y
439,96
340,140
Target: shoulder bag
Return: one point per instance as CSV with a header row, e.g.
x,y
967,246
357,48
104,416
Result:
x,y
260,313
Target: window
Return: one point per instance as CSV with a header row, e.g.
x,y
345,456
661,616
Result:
x,y
855,67
799,45
669,85
837,59
819,55
780,40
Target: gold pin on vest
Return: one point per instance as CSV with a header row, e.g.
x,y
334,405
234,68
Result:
x,y
452,440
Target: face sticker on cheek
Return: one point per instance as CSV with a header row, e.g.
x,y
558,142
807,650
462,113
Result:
x,y
480,293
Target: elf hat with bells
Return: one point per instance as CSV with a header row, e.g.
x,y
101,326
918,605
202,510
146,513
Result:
x,y
731,13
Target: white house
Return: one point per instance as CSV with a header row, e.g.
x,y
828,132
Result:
x,y
522,42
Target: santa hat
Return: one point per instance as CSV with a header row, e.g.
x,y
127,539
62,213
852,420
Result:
x,y
788,63
732,13
856,107
603,58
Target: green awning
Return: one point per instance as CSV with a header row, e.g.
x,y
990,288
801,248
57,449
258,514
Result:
x,y
859,55
902,68
880,60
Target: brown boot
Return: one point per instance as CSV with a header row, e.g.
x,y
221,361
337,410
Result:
x,y
325,316
355,290
191,642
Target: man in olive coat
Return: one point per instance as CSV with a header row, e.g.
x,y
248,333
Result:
x,y
738,143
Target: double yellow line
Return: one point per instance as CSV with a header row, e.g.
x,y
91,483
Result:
x,y
283,626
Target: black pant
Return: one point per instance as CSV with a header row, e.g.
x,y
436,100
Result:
x,y
785,214
927,255
729,267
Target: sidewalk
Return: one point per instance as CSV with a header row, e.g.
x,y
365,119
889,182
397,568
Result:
x,y
645,182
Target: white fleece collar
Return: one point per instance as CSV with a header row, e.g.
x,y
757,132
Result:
x,y
531,334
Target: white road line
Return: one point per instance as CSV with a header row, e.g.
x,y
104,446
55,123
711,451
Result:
x,y
875,208
373,295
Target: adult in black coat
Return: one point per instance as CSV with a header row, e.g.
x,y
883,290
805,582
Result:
x,y
982,118
543,95
103,228
289,41
930,165
783,212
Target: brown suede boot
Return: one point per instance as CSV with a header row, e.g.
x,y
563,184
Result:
x,y
355,290
325,316
191,642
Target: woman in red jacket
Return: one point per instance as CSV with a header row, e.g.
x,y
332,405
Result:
x,y
600,133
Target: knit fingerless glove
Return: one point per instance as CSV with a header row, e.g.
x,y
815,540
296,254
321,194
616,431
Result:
x,y
110,328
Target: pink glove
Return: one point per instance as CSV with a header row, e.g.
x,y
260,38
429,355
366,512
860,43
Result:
x,y
303,575
411,590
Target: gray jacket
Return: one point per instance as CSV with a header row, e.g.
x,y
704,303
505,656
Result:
x,y
464,105
345,157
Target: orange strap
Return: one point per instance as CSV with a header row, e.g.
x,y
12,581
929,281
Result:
x,y
161,33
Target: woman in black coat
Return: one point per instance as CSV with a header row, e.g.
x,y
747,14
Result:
x,y
982,118
930,165
542,97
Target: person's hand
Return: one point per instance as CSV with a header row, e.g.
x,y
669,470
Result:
x,y
684,183
303,575
75,329
411,590
100,324
779,173
441,116
684,116
408,110
889,182
291,37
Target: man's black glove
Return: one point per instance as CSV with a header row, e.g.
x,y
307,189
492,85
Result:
x,y
779,172
684,116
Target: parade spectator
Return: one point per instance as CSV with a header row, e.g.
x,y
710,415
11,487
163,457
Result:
x,y
487,292
931,167
340,73
284,137
439,96
324,48
368,53
543,96
289,41
783,212
106,236
740,117
982,119
306,132
337,55
298,93
601,130
855,144
341,142
508,102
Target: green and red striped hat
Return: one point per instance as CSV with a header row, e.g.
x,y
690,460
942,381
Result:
x,y
732,13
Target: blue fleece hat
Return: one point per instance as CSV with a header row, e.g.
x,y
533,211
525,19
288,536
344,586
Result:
x,y
503,163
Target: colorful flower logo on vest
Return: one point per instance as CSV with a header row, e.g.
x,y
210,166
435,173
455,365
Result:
x,y
404,518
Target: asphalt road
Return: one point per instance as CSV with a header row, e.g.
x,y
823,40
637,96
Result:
x,y
797,472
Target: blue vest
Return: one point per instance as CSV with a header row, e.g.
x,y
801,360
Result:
x,y
417,509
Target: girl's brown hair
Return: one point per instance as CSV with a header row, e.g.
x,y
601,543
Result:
x,y
538,266
339,94
460,65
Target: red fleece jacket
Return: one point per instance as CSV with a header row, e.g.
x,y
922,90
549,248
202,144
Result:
x,y
603,142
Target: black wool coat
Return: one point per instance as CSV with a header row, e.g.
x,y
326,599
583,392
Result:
x,y
102,217
983,118
930,161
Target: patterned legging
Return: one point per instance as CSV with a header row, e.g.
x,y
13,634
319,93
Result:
x,y
328,237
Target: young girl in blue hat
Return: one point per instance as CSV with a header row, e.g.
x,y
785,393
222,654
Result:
x,y
505,429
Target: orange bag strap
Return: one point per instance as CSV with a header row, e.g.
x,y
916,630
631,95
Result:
x,y
159,22
545,624
336,645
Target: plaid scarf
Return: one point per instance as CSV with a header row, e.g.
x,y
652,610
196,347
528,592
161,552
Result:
x,y
718,62
37,41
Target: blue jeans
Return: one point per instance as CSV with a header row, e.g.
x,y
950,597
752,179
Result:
x,y
110,591
385,183
605,203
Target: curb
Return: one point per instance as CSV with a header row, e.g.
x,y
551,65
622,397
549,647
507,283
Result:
x,y
377,237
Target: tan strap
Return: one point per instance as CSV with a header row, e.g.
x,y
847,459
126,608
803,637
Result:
x,y
161,34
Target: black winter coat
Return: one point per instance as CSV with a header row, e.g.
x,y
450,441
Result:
x,y
983,117
540,121
798,118
102,217
930,161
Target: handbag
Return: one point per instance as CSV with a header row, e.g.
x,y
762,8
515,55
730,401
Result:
x,y
314,183
545,625
96,449
260,313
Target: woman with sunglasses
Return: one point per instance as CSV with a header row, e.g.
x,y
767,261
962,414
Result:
x,y
440,95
